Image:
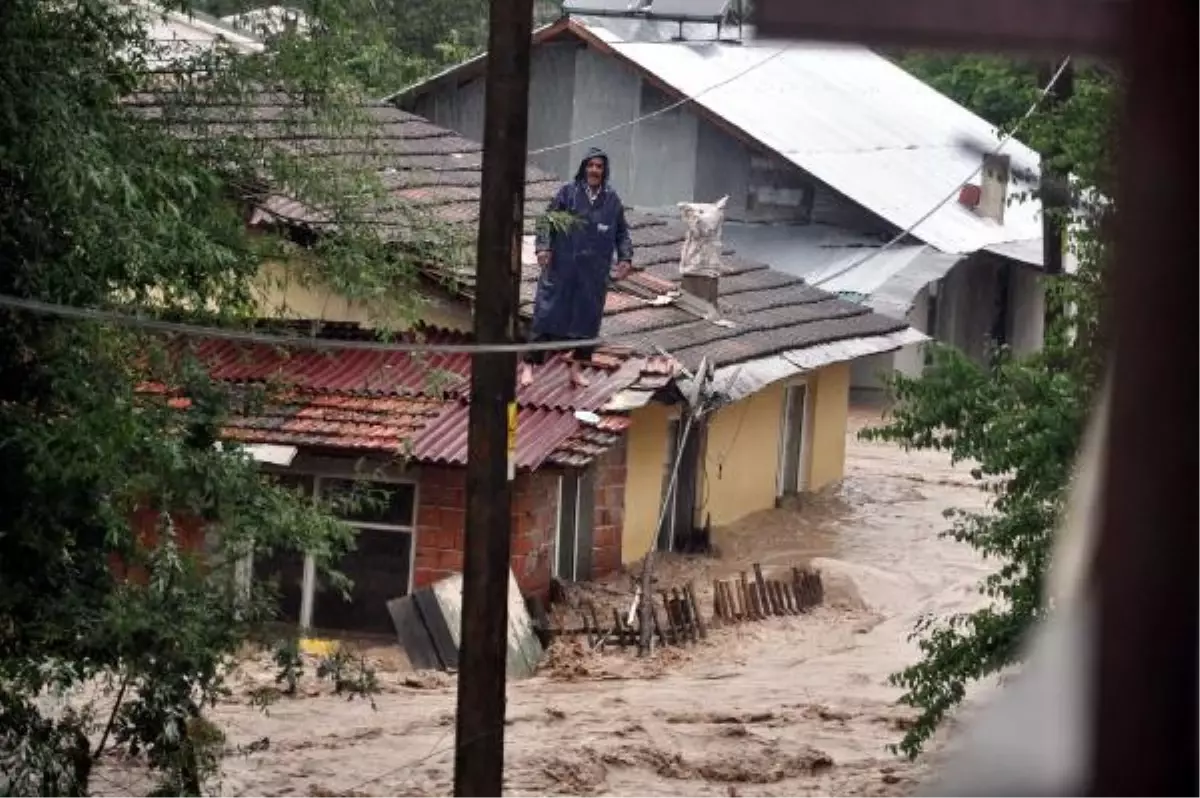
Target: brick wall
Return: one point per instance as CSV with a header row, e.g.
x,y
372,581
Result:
x,y
535,523
441,513
609,512
441,505
144,523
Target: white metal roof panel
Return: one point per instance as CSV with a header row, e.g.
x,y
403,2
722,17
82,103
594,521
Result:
x,y
836,261
849,117
174,35
740,380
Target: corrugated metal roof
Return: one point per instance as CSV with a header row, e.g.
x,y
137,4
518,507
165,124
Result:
x,y
540,433
394,403
848,116
373,373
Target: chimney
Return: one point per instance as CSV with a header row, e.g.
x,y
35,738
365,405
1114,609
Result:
x,y
993,189
702,284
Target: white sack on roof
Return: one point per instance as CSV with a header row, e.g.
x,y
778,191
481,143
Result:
x,y
702,247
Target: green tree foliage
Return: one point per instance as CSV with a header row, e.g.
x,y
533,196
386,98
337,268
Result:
x,y
410,38
122,523
1018,420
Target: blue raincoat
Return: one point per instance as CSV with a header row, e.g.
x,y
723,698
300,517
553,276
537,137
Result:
x,y
570,292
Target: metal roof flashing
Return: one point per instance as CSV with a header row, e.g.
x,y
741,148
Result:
x,y
739,380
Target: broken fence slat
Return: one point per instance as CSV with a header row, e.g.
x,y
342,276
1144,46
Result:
x,y
762,590
781,597
658,627
798,585
744,589
666,598
731,610
701,631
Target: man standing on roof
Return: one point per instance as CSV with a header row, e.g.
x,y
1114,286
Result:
x,y
576,264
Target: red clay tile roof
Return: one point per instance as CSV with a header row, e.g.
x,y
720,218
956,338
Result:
x,y
392,403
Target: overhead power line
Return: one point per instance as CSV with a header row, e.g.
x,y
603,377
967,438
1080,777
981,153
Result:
x,y
1007,137
270,339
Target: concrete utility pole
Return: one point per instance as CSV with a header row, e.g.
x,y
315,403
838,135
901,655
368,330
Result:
x,y
479,733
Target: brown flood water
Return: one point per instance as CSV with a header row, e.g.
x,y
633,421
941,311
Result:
x,y
792,706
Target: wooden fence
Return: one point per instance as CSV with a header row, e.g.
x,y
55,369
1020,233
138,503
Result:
x,y
754,599
678,619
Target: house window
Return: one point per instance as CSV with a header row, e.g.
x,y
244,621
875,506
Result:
x,y
380,564
576,519
794,439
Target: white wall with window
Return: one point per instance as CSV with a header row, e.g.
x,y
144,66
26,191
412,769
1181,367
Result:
x,y
380,565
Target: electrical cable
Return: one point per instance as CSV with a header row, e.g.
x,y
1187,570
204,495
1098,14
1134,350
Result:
x,y
201,331
1007,137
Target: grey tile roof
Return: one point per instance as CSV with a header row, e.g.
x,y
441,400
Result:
x,y
420,164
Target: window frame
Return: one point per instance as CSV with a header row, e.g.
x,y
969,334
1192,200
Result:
x,y
804,466
332,472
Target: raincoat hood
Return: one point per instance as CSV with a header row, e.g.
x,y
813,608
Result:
x,y
581,172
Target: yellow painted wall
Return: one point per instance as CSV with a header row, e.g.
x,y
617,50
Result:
x,y
742,457
830,412
645,458
280,294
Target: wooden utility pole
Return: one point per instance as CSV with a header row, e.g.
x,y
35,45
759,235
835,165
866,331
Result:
x,y
479,732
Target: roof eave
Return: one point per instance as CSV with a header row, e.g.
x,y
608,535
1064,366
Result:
x,y
476,65
740,380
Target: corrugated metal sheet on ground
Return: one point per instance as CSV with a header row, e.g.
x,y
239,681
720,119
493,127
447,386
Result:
x,y
848,116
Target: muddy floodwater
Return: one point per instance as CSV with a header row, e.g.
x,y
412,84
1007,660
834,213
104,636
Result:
x,y
790,706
